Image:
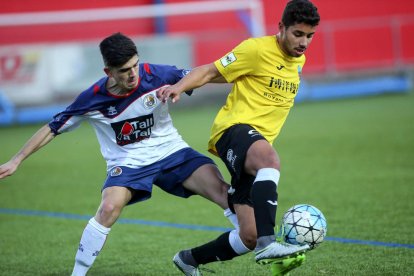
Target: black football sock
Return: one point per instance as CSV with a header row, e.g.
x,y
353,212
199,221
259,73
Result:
x,y
264,197
216,250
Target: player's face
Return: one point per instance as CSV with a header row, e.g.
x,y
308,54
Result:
x,y
126,76
295,39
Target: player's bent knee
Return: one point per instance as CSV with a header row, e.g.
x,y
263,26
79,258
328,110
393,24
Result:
x,y
261,155
224,190
108,212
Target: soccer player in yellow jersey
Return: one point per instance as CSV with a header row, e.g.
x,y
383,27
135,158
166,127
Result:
x,y
265,73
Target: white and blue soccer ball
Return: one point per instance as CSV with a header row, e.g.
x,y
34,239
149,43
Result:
x,y
303,224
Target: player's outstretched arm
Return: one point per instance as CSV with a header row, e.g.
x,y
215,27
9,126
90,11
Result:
x,y
43,136
196,78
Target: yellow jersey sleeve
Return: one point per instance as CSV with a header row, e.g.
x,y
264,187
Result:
x,y
238,62
265,83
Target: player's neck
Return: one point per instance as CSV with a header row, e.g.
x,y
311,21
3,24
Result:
x,y
279,44
281,47
114,89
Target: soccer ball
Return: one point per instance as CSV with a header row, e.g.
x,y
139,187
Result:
x,y
303,224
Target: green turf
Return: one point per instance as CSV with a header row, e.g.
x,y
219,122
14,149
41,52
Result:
x,y
353,159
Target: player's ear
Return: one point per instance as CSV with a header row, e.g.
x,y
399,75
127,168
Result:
x,y
281,27
107,71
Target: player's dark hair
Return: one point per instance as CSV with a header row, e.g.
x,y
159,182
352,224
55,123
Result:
x,y
117,49
300,11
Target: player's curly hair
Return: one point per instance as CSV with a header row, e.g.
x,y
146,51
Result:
x,y
300,11
117,49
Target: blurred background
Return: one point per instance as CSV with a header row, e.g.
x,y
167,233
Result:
x,y
49,49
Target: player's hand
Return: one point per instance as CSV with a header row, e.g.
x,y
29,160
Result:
x,y
7,169
168,92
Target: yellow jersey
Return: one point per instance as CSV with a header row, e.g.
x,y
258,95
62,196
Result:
x,y
265,83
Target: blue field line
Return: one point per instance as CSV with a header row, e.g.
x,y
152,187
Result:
x,y
35,213
374,243
181,226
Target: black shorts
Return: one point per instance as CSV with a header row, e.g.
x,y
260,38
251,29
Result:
x,y
232,148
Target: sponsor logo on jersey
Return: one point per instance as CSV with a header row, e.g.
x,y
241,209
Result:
x,y
274,97
280,67
133,130
149,101
229,59
274,203
112,111
185,72
283,85
116,171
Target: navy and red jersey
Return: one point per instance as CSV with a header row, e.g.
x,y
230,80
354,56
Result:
x,y
133,130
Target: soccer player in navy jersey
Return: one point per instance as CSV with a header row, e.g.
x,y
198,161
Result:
x,y
265,73
137,139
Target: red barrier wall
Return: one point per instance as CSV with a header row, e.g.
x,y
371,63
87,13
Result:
x,y
354,34
357,34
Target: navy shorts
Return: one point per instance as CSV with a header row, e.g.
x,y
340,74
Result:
x,y
232,148
168,174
